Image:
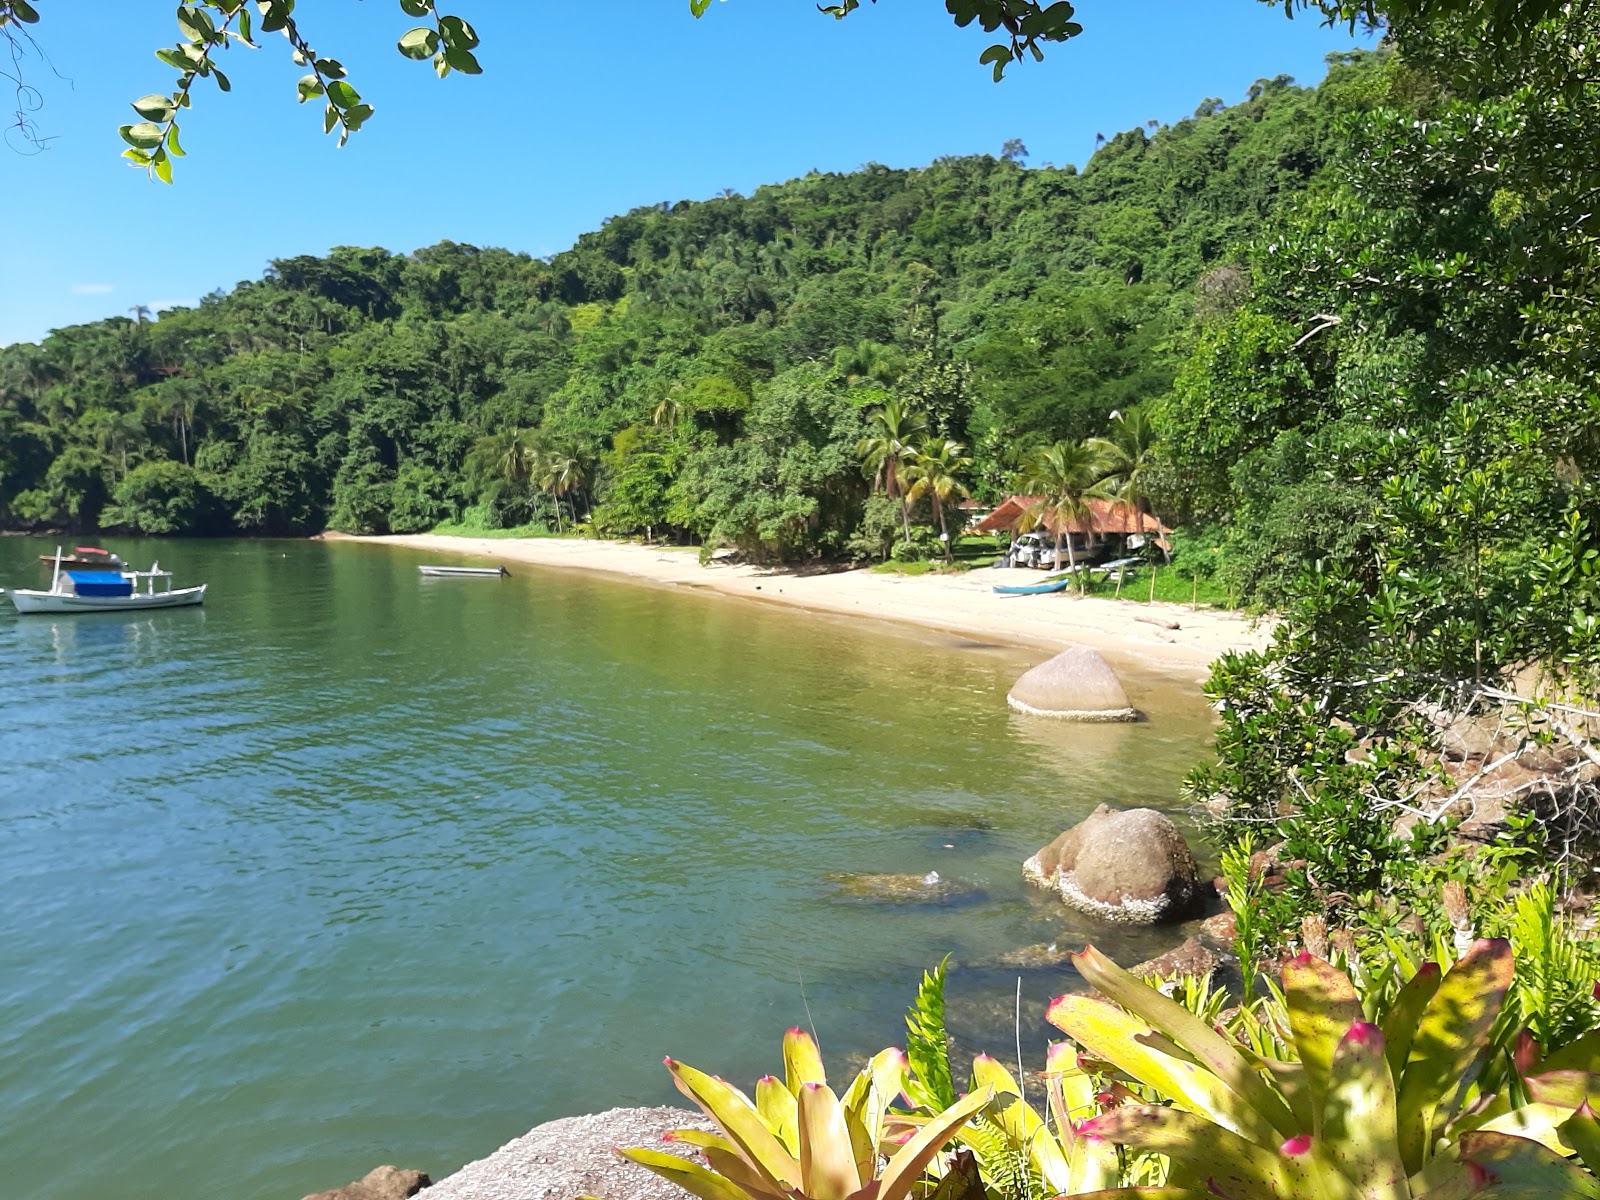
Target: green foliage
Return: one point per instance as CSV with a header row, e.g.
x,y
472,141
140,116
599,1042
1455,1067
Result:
x,y
799,1140
379,391
159,497
927,1043
1411,1095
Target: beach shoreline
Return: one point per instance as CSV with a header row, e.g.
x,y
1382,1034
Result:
x,y
963,605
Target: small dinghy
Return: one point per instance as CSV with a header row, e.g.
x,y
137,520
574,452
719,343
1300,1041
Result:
x,y
465,572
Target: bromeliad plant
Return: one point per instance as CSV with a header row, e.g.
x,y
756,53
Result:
x,y
1332,1101
798,1140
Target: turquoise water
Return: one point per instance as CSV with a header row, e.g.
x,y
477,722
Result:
x,y
351,867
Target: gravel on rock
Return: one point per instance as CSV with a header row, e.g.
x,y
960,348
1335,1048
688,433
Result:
x,y
573,1157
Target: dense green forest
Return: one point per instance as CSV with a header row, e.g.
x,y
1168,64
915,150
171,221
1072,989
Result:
x,y
700,370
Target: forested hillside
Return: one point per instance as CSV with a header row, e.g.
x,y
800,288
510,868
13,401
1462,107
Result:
x,y
701,369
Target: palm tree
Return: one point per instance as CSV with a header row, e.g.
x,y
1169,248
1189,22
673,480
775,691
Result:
x,y
1127,460
886,450
1063,477
562,473
933,473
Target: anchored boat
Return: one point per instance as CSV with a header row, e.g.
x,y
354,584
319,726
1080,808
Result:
x,y
104,591
468,572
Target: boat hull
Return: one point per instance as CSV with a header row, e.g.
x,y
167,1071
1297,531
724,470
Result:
x,y
1039,589
54,602
464,572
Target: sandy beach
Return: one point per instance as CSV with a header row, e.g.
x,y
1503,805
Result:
x,y
957,604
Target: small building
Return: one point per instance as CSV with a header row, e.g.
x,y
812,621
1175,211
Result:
x,y
1109,529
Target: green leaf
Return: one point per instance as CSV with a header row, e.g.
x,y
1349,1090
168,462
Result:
x,y
172,141
153,107
144,135
1231,1165
802,1062
1451,1043
330,118
419,43
24,12
1399,1024
698,7
1525,1169
222,80
1358,1120
330,68
138,156
309,88
741,1123
1195,1037
416,8
927,1043
462,60
1582,1133
356,117
827,1155
343,95
690,1176
1323,1006
457,32
162,165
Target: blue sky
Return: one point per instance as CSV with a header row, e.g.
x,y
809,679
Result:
x,y
587,108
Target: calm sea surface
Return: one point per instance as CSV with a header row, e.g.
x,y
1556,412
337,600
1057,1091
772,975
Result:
x,y
352,867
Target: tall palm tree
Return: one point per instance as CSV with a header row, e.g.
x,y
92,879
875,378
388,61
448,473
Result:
x,y
1064,478
935,473
1127,461
562,472
889,446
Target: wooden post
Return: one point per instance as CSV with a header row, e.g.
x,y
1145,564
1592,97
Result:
x,y
1122,573
1194,594
1153,569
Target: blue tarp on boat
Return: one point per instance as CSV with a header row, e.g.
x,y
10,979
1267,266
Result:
x,y
100,583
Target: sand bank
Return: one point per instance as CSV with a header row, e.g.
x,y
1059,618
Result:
x,y
958,604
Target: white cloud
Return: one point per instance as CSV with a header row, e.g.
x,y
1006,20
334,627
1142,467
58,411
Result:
x,y
91,289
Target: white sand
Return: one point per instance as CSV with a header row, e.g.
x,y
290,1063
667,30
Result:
x,y
960,604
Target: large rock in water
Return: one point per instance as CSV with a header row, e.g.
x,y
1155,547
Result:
x,y
1131,866
1076,685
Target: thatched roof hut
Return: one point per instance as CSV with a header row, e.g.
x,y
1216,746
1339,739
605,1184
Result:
x,y
1104,517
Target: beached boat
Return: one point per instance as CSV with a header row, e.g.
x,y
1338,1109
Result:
x,y
104,591
1038,589
467,572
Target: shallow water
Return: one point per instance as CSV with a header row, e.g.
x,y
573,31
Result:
x,y
352,867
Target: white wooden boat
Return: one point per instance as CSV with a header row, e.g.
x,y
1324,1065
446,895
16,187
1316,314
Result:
x,y
105,591
465,572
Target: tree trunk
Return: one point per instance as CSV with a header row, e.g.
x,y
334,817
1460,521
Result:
x,y
557,500
938,510
1072,561
905,518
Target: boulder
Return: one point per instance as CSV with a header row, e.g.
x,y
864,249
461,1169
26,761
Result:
x,y
1130,866
1076,685
575,1156
383,1183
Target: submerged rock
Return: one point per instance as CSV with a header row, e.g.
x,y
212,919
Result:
x,y
383,1183
1130,866
1040,954
1192,960
902,888
1076,685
